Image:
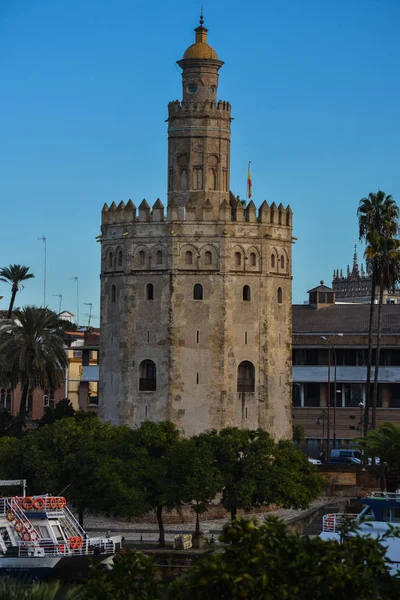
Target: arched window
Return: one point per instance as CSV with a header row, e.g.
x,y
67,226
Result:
x,y
208,258
198,292
159,257
113,293
238,259
246,377
184,180
272,261
279,295
253,259
110,260
213,179
147,376
149,291
282,262
189,258
246,293
3,397
142,257
120,258
198,178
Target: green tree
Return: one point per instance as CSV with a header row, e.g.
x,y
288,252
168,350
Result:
x,y
133,577
383,258
62,409
84,458
267,562
384,442
14,275
378,215
196,471
14,589
299,434
257,471
33,348
155,473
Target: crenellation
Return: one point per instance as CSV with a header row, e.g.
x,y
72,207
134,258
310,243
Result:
x,y
157,213
144,211
130,212
264,213
250,212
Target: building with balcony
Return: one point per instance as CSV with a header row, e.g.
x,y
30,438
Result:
x,y
326,332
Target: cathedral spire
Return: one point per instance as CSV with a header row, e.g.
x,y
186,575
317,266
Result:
x,y
355,272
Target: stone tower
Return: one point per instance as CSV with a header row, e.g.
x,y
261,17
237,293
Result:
x,y
196,304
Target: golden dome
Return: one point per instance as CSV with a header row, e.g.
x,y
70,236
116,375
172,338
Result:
x,y
200,49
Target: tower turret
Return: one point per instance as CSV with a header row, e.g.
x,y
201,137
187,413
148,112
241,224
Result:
x,y
199,131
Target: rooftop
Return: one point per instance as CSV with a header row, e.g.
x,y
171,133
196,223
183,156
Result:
x,y
344,318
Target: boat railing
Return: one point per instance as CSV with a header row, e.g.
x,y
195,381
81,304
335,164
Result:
x,y
333,522
63,549
387,495
71,524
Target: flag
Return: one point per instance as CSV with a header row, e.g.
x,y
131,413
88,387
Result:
x,y
249,182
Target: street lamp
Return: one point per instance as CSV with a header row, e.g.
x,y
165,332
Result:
x,y
323,337
322,419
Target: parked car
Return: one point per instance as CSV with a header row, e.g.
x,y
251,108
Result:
x,y
314,461
345,453
345,460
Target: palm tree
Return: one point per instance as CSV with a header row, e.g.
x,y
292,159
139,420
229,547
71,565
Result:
x,y
378,215
383,259
32,344
14,275
384,442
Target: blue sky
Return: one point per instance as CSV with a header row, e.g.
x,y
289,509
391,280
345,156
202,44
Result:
x,y
314,88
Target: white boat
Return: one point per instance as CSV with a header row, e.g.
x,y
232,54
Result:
x,y
39,536
382,511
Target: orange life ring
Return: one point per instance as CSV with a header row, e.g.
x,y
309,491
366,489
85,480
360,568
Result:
x,y
26,536
10,514
38,503
53,502
27,503
19,526
72,542
61,548
34,535
79,542
61,502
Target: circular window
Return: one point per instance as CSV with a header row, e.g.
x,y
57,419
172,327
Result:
x,y
192,88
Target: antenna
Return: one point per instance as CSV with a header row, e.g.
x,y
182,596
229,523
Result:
x,y
59,296
75,278
89,315
44,240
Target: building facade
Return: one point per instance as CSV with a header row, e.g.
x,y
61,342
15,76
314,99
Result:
x,y
328,333
356,286
196,304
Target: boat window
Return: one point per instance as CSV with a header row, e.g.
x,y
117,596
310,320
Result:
x,y
43,532
395,515
385,514
57,532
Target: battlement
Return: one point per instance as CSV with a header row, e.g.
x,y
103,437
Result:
x,y
180,109
128,213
